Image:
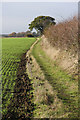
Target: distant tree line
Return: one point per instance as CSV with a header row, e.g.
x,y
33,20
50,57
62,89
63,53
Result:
x,y
3,35
40,24
24,34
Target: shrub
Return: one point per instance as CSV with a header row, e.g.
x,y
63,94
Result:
x,y
30,35
64,35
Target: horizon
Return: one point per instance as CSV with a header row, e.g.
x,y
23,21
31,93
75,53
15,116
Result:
x,y
16,16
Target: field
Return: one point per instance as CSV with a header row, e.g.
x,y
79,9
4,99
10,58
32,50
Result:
x,y
12,52
40,76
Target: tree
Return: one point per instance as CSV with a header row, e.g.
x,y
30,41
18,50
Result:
x,y
28,31
20,34
41,22
30,35
13,34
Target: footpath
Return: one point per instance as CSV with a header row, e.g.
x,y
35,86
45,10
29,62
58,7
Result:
x,y
47,103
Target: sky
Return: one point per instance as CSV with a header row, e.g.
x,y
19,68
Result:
x,y
17,15
40,0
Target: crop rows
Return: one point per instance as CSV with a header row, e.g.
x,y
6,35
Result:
x,y
12,50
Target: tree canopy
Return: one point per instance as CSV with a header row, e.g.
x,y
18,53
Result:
x,y
41,22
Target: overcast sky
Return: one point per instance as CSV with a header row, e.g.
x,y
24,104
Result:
x,y
17,15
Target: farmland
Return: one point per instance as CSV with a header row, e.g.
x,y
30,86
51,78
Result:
x,y
12,52
40,76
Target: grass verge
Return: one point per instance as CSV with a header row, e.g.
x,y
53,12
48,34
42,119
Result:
x,y
64,84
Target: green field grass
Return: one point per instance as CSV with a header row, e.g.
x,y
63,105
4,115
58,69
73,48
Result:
x,y
12,50
64,84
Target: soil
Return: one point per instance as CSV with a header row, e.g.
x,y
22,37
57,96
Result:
x,y
21,106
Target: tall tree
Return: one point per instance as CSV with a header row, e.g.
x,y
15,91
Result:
x,y
41,22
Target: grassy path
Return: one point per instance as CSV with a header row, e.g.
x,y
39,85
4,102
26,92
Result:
x,y
47,104
65,86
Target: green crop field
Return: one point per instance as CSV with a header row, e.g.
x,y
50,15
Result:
x,y
12,50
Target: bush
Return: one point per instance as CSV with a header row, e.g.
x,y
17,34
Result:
x,y
64,35
30,35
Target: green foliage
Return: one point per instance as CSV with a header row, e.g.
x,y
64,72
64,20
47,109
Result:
x,y
13,34
30,35
41,22
65,86
12,50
